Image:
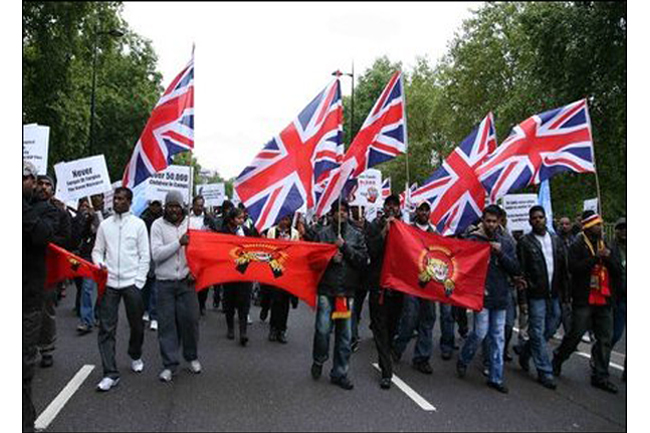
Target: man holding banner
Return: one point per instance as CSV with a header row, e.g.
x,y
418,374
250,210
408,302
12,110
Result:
x,y
491,319
177,303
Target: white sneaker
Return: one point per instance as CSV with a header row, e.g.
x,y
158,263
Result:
x,y
107,383
195,366
137,365
145,317
154,325
165,375
249,320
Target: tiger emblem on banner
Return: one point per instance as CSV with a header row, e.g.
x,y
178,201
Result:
x,y
437,264
261,253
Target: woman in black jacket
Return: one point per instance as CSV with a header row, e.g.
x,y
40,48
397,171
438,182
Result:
x,y
236,296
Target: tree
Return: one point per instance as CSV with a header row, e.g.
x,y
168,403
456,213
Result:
x,y
58,48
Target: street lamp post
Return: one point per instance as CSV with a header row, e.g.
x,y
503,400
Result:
x,y
116,34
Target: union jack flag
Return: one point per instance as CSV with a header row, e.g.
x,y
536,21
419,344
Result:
x,y
386,189
381,137
169,130
406,197
284,176
454,192
538,148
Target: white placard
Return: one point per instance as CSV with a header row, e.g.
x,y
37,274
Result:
x,y
174,177
368,190
591,204
36,139
82,178
517,207
213,193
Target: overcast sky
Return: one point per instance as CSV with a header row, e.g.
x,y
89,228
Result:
x,y
258,64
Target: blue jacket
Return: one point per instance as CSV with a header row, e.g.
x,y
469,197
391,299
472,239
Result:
x,y
502,265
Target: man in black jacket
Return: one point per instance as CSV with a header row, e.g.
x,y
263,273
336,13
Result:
x,y
385,304
595,270
39,221
542,261
336,289
45,192
492,318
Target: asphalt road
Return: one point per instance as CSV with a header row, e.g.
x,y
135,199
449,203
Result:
x,y
267,387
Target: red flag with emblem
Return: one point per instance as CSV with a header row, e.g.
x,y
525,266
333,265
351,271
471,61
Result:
x,y
63,265
435,267
294,266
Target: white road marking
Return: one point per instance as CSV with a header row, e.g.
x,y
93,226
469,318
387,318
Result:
x,y
586,355
48,415
417,398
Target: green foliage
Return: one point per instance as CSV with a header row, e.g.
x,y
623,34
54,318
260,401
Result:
x,y
518,59
58,47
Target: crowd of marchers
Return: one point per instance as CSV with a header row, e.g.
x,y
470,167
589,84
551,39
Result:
x,y
569,278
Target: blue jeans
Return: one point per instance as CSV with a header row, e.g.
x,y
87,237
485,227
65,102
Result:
x,y
342,337
420,313
620,318
486,322
447,341
87,306
544,320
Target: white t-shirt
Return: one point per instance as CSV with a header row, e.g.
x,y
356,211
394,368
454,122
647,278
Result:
x,y
547,249
196,222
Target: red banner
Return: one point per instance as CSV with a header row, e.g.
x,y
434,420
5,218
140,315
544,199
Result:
x,y
294,266
435,267
63,265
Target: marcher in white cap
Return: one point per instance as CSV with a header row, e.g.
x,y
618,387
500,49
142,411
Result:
x,y
177,302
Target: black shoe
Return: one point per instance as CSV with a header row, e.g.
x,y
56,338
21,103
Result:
x,y
517,349
385,383
547,382
84,329
46,361
243,340
282,337
498,386
273,335
264,313
605,385
446,356
557,367
316,371
231,334
507,357
461,369
423,367
342,382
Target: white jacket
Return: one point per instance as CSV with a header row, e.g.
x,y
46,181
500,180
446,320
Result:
x,y
122,245
166,249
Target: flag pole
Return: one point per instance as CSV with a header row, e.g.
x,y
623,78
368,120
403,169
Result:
x,y
593,153
408,173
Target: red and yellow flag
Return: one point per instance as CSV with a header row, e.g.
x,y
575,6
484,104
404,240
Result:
x,y
294,266
435,267
63,265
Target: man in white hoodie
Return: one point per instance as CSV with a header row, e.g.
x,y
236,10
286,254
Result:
x,y
178,305
122,247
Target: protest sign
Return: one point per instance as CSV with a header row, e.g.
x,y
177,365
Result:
x,y
517,207
591,204
368,190
82,178
213,193
173,178
35,146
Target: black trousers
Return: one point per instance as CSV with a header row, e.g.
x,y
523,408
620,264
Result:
x,y
237,297
385,312
359,297
31,331
601,320
279,310
460,316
